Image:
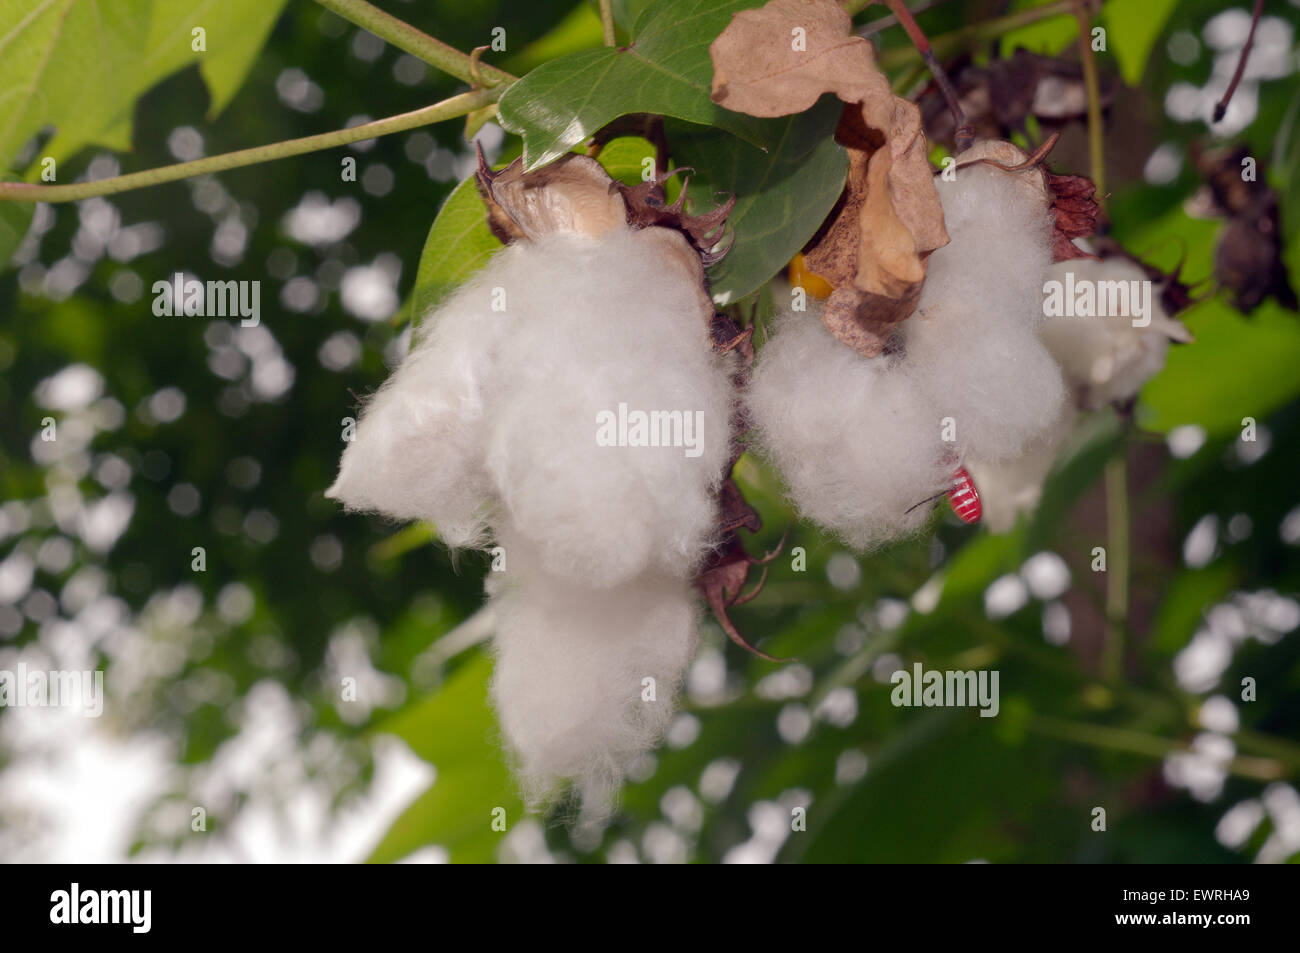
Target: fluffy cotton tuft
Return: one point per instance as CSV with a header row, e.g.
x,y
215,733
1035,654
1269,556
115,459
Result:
x,y
492,418
569,683
860,440
856,440
614,333
417,452
489,429
1106,359
1014,485
973,342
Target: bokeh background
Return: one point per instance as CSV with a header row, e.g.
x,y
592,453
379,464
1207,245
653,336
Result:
x,y
222,685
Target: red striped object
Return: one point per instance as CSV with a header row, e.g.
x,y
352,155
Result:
x,y
965,499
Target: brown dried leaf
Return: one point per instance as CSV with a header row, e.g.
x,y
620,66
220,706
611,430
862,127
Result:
x,y
1248,251
997,98
735,511
873,253
779,59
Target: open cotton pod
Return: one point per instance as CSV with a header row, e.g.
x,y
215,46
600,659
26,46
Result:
x,y
1108,329
566,404
855,438
861,439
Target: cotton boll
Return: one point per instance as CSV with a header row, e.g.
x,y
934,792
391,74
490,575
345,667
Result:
x,y
992,271
569,683
856,439
417,453
972,344
998,384
1105,358
493,417
597,324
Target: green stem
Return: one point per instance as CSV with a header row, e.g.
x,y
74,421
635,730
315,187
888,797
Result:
x,y
1139,742
1117,508
416,42
1096,132
447,109
1117,566
607,22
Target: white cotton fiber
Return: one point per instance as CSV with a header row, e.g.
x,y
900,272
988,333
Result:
x,y
417,453
490,429
859,440
493,418
1014,485
569,683
973,343
856,440
603,326
1105,358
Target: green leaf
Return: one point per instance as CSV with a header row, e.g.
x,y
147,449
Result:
x,y
1132,30
15,218
1286,152
74,64
624,158
80,65
666,70
782,196
1048,36
579,30
235,33
453,729
458,245
1237,367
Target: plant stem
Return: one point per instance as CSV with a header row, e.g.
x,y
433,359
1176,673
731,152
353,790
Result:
x,y
1117,566
447,109
1221,107
1096,133
964,134
884,23
607,21
1117,508
1139,742
416,42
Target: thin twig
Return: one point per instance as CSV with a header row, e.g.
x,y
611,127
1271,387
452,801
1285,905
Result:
x,y
884,23
1117,508
965,134
1096,132
1117,566
1221,107
447,109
